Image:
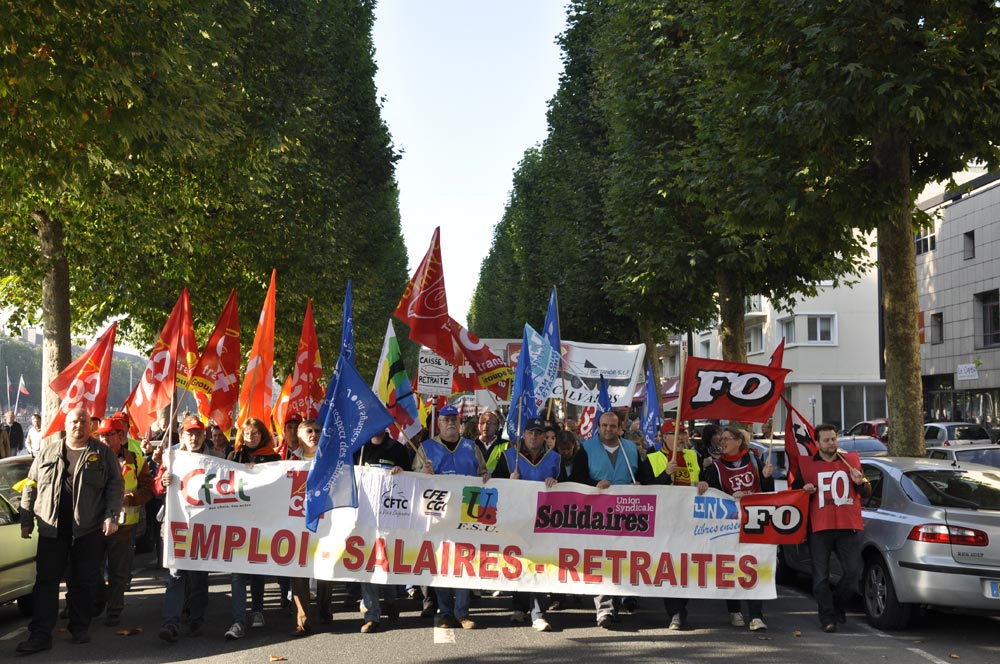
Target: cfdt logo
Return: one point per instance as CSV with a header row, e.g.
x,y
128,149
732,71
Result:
x,y
479,506
203,488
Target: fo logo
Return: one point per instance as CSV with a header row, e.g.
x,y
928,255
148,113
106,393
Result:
x,y
479,505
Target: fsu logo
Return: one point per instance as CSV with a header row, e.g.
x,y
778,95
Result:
x,y
479,505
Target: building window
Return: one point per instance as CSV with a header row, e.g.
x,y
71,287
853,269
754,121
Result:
x,y
672,365
706,349
926,240
969,245
819,329
787,329
987,320
755,339
937,328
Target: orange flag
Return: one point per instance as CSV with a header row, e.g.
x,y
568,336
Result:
x,y
187,352
215,381
424,305
84,383
258,381
308,370
156,387
280,410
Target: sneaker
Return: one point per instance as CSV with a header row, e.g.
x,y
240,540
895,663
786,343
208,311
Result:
x,y
676,623
736,619
170,633
467,623
541,625
604,622
519,617
256,619
757,625
369,627
237,631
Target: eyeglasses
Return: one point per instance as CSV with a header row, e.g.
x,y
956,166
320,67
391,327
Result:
x,y
313,430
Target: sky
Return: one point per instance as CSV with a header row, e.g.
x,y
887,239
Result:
x,y
465,87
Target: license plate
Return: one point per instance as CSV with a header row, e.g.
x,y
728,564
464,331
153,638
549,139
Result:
x,y
995,589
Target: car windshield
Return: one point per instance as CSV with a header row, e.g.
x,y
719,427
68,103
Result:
x,y
988,456
971,489
11,474
969,433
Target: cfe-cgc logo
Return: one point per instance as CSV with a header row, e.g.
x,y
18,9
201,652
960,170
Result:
x,y
479,509
434,502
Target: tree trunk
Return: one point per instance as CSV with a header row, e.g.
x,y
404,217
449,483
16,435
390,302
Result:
x,y
56,347
897,260
732,311
647,336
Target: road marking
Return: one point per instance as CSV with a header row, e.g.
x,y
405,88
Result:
x,y
15,632
444,635
926,655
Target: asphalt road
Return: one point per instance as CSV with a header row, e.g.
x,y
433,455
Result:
x,y
793,635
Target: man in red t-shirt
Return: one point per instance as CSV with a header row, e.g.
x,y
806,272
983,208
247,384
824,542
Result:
x,y
837,486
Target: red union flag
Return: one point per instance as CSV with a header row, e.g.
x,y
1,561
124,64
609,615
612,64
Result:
x,y
492,372
799,439
84,383
156,386
424,305
215,381
258,381
586,429
774,518
305,378
715,389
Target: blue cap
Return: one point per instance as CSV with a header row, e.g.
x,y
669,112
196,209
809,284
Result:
x,y
448,411
535,424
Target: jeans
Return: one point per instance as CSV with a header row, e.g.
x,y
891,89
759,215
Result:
x,y
847,545
370,596
607,605
534,603
83,555
185,587
453,602
238,587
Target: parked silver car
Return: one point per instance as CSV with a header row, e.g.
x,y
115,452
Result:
x,y
17,555
932,539
955,433
986,454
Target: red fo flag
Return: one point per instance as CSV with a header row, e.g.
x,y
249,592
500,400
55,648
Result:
x,y
774,518
800,440
714,389
156,386
493,373
778,356
215,380
586,429
84,383
258,382
305,385
424,305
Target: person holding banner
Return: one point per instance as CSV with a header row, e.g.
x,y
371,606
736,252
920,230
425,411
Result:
x,y
610,460
737,472
573,465
380,452
536,463
837,487
74,492
186,589
450,454
257,447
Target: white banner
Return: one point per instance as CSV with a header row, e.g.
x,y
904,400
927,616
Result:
x,y
433,373
454,531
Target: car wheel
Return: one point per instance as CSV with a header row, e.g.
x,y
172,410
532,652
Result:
x,y
884,611
26,605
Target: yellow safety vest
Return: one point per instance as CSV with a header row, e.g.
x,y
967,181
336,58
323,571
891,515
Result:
x,y
130,473
658,461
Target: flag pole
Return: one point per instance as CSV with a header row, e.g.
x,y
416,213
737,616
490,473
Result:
x,y
562,374
680,403
517,444
17,397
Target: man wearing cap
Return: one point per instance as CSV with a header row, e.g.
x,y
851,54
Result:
x,y
450,454
74,492
119,547
533,462
290,434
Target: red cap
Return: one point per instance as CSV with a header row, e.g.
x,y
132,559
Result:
x,y
192,423
110,424
668,427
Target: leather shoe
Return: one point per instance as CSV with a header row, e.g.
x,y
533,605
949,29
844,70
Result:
x,y
302,630
31,646
830,628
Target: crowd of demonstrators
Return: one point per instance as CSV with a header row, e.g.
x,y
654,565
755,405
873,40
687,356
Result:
x,y
81,522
